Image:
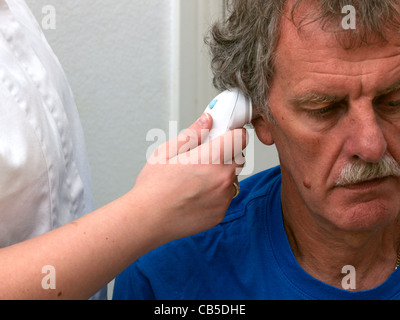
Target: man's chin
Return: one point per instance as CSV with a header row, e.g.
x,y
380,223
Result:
x,y
366,216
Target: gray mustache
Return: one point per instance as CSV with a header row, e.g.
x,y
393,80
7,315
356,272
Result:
x,y
361,171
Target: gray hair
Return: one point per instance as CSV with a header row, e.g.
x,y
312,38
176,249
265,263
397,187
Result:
x,y
243,45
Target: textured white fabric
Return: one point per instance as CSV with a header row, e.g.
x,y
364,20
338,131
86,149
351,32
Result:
x,y
44,175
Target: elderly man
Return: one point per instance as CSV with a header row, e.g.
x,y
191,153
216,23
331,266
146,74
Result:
x,y
325,224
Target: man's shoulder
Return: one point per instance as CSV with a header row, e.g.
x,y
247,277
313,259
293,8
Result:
x,y
255,190
203,256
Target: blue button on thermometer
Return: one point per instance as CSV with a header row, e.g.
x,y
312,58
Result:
x,y
234,111
212,104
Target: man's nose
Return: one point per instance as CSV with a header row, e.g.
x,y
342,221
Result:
x,y
366,140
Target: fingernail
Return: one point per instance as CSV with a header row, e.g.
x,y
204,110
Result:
x,y
203,120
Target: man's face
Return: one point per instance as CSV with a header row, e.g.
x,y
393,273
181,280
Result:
x,y
333,107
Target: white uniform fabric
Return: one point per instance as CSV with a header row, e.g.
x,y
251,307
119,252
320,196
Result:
x,y
44,175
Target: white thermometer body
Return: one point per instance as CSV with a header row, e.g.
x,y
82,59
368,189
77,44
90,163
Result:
x,y
230,110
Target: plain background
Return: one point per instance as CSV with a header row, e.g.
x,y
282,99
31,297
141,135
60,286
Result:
x,y
134,66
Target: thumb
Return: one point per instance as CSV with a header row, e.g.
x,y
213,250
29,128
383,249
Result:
x,y
191,137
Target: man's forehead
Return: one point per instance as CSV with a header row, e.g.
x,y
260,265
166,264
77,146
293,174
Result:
x,y
309,58
294,41
308,18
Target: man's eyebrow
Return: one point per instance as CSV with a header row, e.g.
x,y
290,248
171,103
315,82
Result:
x,y
320,98
391,89
315,98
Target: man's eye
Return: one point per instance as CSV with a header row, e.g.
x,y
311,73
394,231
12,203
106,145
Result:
x,y
388,108
394,103
324,112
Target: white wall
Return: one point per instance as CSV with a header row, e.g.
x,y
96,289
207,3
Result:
x,y
117,58
133,65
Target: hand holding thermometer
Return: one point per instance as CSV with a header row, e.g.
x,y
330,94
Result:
x,y
229,110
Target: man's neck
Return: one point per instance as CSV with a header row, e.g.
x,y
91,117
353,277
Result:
x,y
327,253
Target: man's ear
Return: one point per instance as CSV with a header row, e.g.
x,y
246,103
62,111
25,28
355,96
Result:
x,y
263,128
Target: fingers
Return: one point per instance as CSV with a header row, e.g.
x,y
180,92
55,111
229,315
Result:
x,y
193,136
189,139
186,148
226,149
230,146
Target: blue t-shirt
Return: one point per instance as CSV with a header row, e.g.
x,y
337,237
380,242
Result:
x,y
247,256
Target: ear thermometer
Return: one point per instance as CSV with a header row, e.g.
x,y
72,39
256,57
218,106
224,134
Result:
x,y
230,110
